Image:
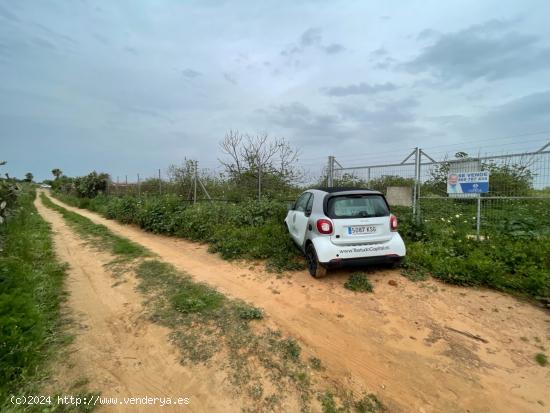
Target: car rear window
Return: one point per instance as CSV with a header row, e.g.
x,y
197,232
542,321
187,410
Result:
x,y
357,206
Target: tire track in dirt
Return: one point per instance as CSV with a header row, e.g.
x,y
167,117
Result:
x,y
116,347
394,342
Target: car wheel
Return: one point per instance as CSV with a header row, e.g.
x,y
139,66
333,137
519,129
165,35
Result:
x,y
315,268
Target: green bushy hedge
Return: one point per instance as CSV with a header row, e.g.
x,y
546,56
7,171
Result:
x,y
249,229
514,256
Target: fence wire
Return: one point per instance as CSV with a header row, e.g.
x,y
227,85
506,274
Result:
x,y
519,187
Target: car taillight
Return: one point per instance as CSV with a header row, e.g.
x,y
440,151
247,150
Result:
x,y
324,226
393,223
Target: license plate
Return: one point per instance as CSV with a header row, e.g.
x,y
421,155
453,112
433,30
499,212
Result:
x,y
361,229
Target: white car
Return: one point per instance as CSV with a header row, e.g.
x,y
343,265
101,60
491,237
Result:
x,y
337,226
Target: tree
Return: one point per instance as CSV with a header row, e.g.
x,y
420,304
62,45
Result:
x,y
182,176
259,164
29,177
91,185
57,173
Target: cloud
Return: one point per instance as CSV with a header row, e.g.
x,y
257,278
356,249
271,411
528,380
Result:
x,y
190,73
517,116
380,52
100,38
489,51
43,43
312,38
8,15
230,78
305,124
334,48
131,50
359,89
392,120
383,114
427,34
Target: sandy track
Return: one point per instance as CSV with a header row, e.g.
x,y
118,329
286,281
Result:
x,y
394,342
116,348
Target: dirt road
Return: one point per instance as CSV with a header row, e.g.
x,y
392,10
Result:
x,y
116,348
400,342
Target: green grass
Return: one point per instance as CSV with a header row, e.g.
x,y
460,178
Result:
x,y
345,402
32,330
359,282
98,234
205,323
541,359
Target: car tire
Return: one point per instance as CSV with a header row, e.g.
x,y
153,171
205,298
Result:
x,y
315,268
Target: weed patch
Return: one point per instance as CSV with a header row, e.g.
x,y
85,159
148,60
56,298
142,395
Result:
x,y
359,282
205,322
541,359
346,403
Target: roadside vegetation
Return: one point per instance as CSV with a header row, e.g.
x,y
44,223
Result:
x,y
209,327
512,255
250,229
32,329
359,282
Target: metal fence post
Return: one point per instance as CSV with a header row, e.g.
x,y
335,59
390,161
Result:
x,y
416,186
259,181
330,172
160,184
195,183
138,186
478,217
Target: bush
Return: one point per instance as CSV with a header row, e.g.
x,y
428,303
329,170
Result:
x,y
251,229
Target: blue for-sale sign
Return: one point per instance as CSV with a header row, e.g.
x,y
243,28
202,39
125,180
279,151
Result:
x,y
468,182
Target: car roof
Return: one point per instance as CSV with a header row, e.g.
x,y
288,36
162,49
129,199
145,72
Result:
x,y
334,190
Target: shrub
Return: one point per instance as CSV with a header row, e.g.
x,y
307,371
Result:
x,y
91,185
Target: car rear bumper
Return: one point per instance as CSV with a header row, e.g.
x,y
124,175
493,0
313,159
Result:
x,y
331,254
352,262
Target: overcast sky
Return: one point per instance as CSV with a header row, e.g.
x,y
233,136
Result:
x,y
133,86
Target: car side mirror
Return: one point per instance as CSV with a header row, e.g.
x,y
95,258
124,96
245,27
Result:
x,y
307,212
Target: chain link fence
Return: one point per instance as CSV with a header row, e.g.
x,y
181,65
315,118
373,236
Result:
x,y
191,184
518,196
